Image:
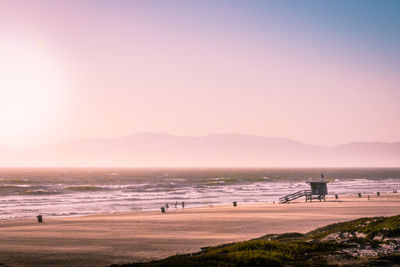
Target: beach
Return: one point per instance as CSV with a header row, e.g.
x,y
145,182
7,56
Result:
x,y
104,239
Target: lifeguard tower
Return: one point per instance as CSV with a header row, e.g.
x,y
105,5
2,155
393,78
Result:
x,y
318,191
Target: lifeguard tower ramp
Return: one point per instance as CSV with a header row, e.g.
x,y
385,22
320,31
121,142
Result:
x,y
318,191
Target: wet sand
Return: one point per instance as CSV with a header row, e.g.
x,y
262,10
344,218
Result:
x,y
103,239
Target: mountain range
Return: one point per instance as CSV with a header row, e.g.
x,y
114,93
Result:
x,y
213,150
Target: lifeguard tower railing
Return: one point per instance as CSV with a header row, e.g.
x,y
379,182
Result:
x,y
293,196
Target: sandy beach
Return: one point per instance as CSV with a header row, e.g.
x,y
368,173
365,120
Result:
x,y
103,239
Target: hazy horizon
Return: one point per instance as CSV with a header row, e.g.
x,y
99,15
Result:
x,y
213,150
320,73
190,136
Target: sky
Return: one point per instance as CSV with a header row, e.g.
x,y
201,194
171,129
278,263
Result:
x,y
319,72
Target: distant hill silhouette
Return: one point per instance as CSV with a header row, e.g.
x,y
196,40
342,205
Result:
x,y
213,150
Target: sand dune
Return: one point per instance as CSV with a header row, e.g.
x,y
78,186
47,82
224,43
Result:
x,y
99,240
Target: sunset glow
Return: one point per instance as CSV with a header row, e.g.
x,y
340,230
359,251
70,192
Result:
x,y
192,68
33,90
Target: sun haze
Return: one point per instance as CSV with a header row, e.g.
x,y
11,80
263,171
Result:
x,y
83,69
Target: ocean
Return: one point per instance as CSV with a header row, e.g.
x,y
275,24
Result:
x,y
27,192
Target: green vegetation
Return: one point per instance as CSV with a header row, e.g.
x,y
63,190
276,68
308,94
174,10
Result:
x,y
253,253
371,227
366,241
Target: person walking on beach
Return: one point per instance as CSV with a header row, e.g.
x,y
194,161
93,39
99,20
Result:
x,y
176,204
166,205
183,204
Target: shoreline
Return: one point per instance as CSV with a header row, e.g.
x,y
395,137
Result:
x,y
220,204
122,237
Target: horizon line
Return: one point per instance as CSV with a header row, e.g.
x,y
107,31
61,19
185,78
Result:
x,y
190,136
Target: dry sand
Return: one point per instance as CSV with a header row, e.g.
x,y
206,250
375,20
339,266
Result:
x,y
99,240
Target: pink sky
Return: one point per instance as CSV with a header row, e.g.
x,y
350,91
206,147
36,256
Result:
x,y
79,69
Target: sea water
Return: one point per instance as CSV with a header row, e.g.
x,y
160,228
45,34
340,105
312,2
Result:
x,y
25,193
